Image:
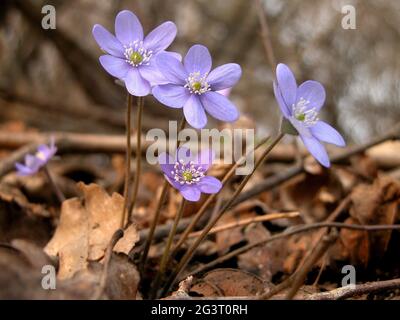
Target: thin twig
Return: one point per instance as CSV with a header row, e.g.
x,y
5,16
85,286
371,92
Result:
x,y
265,34
315,255
291,232
356,290
107,259
57,190
247,221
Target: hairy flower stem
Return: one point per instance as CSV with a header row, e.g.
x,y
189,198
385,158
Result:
x,y
140,103
190,252
154,223
165,256
57,191
128,161
212,197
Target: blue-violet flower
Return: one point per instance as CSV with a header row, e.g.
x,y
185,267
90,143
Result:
x,y
130,56
300,106
194,88
187,173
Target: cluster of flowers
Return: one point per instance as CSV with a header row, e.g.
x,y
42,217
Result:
x,y
145,67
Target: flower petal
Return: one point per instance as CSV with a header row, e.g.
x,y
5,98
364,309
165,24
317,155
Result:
x,y
171,95
209,185
225,76
171,68
166,163
287,84
198,59
206,158
128,28
219,106
326,133
317,150
313,92
194,112
23,170
190,193
107,41
136,84
151,72
161,37
115,66
282,104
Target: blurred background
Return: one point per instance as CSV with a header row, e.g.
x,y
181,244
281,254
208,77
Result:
x,y
51,79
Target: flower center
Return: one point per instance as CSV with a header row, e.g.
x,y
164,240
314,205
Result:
x,y
197,84
40,155
302,113
136,55
187,173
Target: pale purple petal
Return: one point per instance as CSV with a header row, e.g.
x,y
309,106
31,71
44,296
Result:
x,y
206,158
161,37
326,133
166,163
107,42
198,59
151,72
128,28
194,112
225,76
209,184
136,84
287,84
115,66
171,95
171,68
23,170
317,150
225,92
219,106
282,104
313,92
190,193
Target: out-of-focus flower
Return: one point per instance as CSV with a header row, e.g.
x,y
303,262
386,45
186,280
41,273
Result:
x,y
130,56
187,173
195,89
34,162
300,106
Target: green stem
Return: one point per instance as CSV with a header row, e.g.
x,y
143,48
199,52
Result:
x,y
189,254
165,256
154,223
128,161
140,103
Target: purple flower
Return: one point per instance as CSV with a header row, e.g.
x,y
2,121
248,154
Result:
x,y
194,88
187,173
130,56
34,162
300,105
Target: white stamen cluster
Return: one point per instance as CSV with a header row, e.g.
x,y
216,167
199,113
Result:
x,y
302,113
197,84
40,155
136,54
187,173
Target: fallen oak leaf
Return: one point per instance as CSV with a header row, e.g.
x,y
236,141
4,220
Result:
x,y
85,230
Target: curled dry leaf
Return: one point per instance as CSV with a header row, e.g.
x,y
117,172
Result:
x,y
86,228
375,203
